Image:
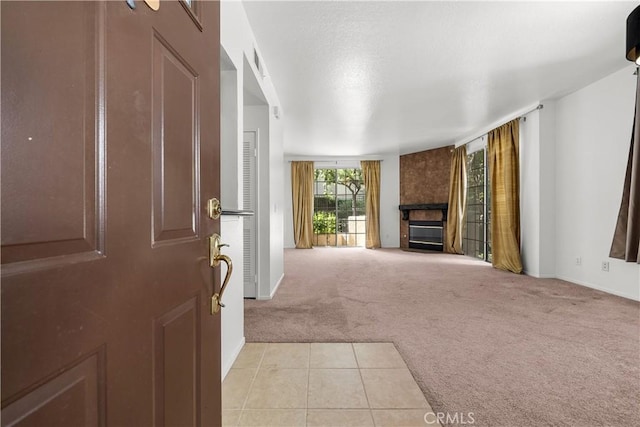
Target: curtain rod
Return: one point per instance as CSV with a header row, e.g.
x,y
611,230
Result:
x,y
539,107
499,123
336,161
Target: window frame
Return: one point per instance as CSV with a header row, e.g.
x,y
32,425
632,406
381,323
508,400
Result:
x,y
485,240
319,190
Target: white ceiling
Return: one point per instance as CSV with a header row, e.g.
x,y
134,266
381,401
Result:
x,y
358,78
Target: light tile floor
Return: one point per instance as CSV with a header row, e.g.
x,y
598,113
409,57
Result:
x,y
322,384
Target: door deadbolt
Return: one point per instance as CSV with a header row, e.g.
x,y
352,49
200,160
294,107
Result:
x,y
214,208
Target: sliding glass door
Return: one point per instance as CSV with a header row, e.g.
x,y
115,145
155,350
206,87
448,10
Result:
x,y
477,235
339,207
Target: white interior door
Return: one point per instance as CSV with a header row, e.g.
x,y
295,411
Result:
x,y
250,202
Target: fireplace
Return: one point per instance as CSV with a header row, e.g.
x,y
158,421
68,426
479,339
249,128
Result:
x,y
426,235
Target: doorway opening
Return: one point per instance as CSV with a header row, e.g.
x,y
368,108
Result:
x,y
255,186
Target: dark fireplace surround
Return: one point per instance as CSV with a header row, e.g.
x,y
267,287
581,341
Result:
x,y
424,188
426,235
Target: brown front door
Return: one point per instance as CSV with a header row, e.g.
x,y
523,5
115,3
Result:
x,y
110,150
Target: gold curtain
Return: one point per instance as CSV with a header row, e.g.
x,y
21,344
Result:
x,y
504,173
626,238
302,193
457,200
371,174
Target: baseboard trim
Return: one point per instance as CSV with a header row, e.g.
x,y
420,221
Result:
x,y
598,288
226,367
273,292
540,276
275,288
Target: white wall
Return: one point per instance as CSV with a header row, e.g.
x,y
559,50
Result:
x,y
530,193
238,41
288,208
389,201
229,155
537,191
547,146
277,194
573,156
592,132
231,227
233,298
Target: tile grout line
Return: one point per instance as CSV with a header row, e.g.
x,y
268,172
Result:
x,y
306,409
253,380
355,356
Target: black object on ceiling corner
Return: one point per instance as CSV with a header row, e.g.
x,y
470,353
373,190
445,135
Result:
x,y
633,36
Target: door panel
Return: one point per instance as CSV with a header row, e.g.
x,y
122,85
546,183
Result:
x,y
175,145
177,365
105,280
52,157
77,387
55,144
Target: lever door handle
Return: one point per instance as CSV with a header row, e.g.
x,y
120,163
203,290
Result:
x,y
215,257
216,299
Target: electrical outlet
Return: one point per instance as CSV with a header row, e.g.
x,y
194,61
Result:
x,y
605,265
579,260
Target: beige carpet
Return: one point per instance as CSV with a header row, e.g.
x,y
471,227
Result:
x,y
514,350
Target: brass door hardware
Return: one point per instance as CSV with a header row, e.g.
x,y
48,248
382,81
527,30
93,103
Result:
x,y
214,208
214,260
